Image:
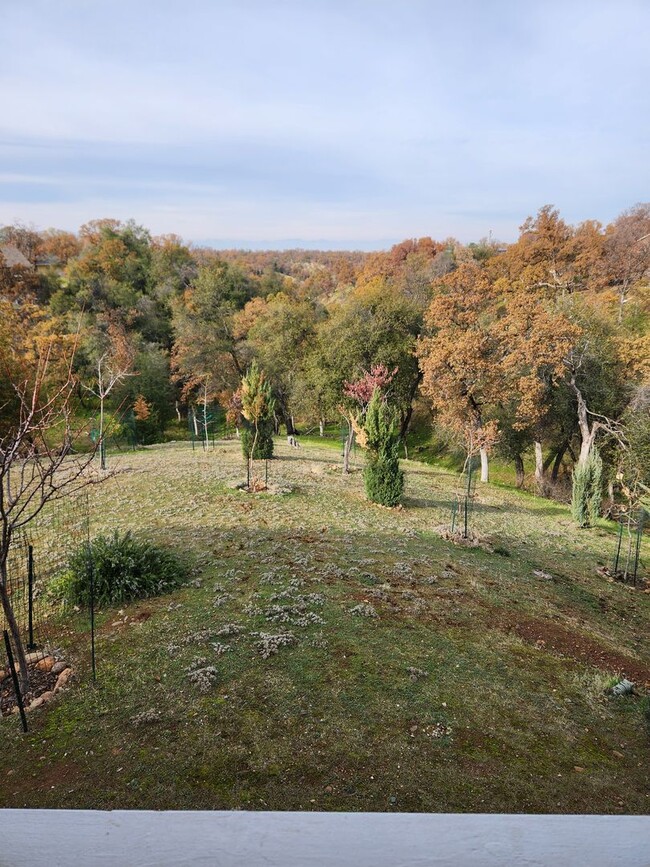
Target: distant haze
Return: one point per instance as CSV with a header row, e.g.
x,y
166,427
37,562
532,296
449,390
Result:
x,y
343,124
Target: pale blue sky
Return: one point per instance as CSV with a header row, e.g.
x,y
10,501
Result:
x,y
322,122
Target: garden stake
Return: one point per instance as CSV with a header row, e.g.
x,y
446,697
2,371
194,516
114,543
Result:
x,y
30,596
92,611
639,533
618,547
14,676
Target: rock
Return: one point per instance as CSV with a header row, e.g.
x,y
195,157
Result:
x,y
578,769
45,664
32,658
60,666
63,678
47,696
3,674
617,754
36,703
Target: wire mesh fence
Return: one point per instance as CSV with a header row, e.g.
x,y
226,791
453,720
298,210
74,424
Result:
x,y
627,563
37,555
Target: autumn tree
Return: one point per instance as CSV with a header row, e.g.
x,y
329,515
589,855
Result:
x,y
627,252
460,358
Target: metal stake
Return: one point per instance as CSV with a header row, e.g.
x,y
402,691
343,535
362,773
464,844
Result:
x,y
14,675
30,596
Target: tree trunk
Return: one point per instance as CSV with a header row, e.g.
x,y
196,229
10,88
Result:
x,y
539,464
288,421
205,418
485,470
347,448
406,418
587,433
557,463
519,471
321,427
14,631
178,412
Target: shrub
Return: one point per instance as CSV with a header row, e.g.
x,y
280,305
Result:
x,y
384,481
264,446
257,407
383,478
587,490
124,568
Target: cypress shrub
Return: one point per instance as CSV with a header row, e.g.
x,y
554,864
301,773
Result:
x,y
264,445
384,481
587,490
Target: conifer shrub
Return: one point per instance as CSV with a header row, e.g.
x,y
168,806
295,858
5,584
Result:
x,y
124,568
587,491
384,481
264,445
257,408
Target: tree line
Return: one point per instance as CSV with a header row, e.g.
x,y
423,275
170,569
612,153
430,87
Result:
x,y
537,348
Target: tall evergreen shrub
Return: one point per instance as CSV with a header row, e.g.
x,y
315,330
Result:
x,y
587,490
382,476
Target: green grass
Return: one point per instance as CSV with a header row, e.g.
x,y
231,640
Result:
x,y
334,720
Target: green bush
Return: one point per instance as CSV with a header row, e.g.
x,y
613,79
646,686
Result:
x,y
384,481
124,568
264,445
383,478
587,490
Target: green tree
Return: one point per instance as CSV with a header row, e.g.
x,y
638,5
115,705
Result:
x,y
384,481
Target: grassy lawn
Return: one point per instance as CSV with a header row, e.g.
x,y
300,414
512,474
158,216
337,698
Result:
x,y
330,654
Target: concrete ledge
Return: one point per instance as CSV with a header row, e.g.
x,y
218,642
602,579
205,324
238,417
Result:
x,y
85,838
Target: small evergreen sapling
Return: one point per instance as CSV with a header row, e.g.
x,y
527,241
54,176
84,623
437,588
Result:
x,y
383,478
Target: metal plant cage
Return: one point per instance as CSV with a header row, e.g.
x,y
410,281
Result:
x,y
627,563
464,502
205,425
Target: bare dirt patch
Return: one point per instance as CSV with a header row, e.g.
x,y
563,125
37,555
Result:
x,y
554,638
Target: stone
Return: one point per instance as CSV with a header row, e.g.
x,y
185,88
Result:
x,y
47,696
36,703
45,664
60,666
63,678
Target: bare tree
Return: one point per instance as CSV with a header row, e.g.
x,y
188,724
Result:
x,y
33,471
113,366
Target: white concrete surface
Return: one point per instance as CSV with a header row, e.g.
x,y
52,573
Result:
x,y
85,838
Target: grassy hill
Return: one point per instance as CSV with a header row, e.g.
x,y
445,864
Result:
x,y
330,654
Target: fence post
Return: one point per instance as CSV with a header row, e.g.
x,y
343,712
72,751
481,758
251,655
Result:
x,y
618,547
30,596
91,570
14,675
639,533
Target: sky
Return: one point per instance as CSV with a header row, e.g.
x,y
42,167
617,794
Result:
x,y
341,124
